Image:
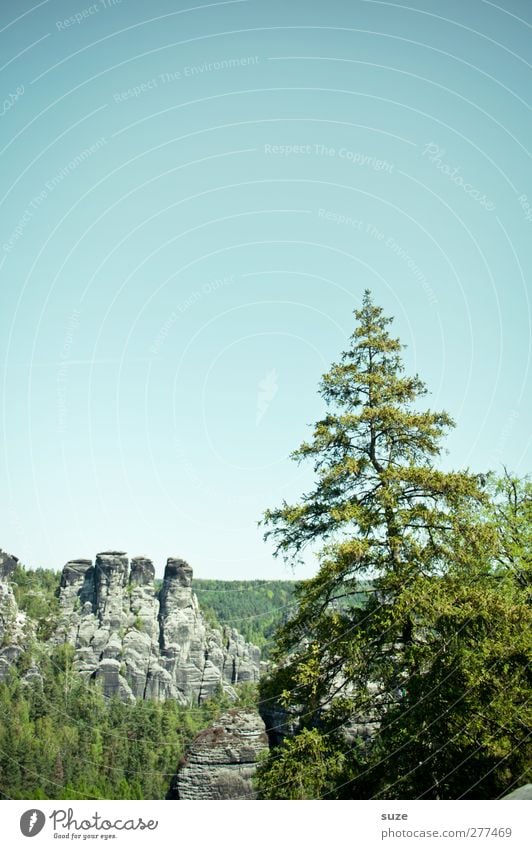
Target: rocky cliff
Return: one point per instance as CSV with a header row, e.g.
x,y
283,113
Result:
x,y
524,792
222,759
141,644
13,624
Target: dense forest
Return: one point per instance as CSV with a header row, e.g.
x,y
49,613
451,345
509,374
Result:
x,y
255,608
258,608
61,739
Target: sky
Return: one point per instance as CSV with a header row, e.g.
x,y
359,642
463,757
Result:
x,y
194,197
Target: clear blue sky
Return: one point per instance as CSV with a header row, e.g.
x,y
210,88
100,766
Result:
x,y
193,200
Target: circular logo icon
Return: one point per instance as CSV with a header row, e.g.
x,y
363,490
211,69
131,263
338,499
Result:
x,y
32,822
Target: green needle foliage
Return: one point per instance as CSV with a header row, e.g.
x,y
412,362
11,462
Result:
x,y
62,739
255,608
432,667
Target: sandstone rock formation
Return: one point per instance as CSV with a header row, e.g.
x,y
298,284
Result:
x,y
139,644
13,622
222,759
8,564
282,723
524,792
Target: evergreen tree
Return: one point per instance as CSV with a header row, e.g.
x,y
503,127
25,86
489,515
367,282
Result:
x,y
462,726
386,513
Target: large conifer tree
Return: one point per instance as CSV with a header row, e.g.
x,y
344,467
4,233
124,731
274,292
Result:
x,y
393,525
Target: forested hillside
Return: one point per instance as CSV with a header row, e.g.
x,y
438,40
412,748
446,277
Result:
x,y
60,736
258,608
61,739
255,608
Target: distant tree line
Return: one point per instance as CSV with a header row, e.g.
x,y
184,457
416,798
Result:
x,y
255,608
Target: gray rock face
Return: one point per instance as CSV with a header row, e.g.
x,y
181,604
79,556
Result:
x,y
222,759
138,645
281,723
15,630
8,564
524,792
278,722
